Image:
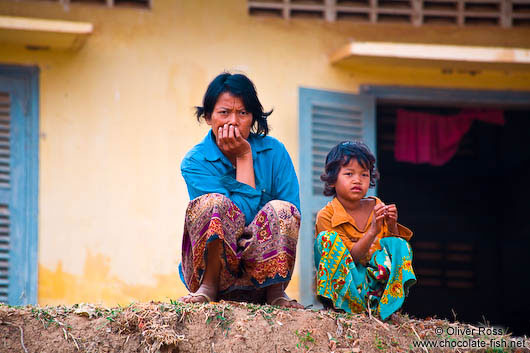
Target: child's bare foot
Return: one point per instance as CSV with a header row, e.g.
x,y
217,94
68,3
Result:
x,y
276,296
204,294
397,317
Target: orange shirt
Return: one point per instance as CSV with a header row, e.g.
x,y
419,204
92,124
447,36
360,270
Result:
x,y
333,217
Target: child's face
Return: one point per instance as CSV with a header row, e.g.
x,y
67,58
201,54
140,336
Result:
x,y
353,181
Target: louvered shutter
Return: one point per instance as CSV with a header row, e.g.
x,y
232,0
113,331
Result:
x,y
326,118
5,194
504,13
18,184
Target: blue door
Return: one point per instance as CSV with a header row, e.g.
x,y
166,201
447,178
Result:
x,y
326,118
18,184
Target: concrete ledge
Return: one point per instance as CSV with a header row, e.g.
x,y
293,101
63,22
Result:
x,y
403,52
36,33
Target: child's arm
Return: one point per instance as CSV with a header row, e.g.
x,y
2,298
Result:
x,y
361,247
394,227
391,218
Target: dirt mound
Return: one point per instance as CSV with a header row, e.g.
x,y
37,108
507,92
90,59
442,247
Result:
x,y
228,327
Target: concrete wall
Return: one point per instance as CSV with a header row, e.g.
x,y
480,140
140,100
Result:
x,y
116,120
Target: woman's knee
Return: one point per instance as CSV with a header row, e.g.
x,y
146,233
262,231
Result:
x,y
209,200
213,197
281,206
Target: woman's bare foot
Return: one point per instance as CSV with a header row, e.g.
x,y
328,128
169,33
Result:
x,y
277,296
204,294
207,292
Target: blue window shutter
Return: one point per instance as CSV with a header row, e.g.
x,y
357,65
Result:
x,y
326,118
18,184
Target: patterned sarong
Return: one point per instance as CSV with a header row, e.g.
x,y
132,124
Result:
x,y
382,284
252,258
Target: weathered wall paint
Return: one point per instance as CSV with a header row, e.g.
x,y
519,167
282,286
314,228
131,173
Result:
x,y
116,120
98,284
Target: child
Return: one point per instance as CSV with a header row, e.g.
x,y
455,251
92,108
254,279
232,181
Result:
x,y
362,256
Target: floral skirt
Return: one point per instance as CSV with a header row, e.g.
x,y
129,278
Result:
x,y
252,257
381,286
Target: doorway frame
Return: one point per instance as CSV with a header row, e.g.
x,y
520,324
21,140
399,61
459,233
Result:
x,y
450,97
446,96
433,96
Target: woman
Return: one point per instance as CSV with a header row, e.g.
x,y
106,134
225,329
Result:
x,y
242,222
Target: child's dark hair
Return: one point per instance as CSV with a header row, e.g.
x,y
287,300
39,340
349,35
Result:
x,y
240,86
341,155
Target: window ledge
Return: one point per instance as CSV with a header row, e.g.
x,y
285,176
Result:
x,y
34,33
431,55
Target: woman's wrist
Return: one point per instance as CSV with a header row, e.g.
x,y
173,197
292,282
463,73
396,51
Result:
x,y
245,169
244,160
244,156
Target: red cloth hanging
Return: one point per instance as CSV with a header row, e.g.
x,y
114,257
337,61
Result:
x,y
434,139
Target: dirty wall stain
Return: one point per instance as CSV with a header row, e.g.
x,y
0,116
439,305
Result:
x,y
97,285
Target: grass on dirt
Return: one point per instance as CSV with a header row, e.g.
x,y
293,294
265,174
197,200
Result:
x,y
234,327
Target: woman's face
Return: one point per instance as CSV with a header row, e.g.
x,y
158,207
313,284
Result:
x,y
230,110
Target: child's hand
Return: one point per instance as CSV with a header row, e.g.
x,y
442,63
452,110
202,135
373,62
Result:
x,y
377,220
391,217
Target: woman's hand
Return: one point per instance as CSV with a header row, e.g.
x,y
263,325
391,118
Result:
x,y
391,216
232,144
237,149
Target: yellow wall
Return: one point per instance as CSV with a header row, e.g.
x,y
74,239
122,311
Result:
x,y
116,120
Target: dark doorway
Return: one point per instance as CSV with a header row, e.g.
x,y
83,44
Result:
x,y
471,235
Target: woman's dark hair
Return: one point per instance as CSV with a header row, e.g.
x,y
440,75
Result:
x,y
341,155
240,86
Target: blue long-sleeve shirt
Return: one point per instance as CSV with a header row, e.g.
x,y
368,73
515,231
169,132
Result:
x,y
207,170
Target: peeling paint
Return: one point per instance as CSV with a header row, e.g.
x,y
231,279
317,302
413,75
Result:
x,y
97,285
